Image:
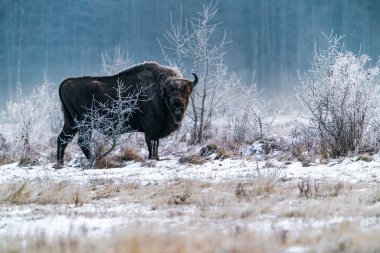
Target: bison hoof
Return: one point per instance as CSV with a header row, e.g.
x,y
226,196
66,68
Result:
x,y
58,165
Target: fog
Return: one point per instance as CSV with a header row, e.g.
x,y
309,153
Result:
x,y
273,38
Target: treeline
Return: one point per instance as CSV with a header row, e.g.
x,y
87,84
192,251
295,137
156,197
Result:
x,y
274,38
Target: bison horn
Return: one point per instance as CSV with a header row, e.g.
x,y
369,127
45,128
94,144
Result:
x,y
194,83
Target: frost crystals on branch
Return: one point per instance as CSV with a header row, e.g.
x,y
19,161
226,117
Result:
x,y
337,94
109,120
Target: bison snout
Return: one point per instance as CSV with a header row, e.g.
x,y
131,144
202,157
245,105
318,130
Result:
x,y
177,109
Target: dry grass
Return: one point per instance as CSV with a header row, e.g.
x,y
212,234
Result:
x,y
5,153
26,161
262,185
191,159
365,157
335,199
117,161
308,188
129,154
107,162
218,214
344,237
5,159
210,151
44,192
219,151
147,240
107,188
223,153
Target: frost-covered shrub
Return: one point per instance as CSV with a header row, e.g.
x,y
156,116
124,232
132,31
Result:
x,y
104,123
32,123
247,116
250,113
337,94
4,154
304,144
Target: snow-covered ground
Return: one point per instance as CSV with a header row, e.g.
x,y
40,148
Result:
x,y
265,211
347,170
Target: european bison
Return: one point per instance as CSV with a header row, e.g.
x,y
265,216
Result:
x,y
157,117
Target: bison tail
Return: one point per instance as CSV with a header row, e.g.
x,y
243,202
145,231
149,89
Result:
x,y
66,114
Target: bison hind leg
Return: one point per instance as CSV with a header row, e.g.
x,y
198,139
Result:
x,y
64,138
84,140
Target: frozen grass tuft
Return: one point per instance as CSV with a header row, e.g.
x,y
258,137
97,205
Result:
x,y
129,154
191,159
43,193
262,185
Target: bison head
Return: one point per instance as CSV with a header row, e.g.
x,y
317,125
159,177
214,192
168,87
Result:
x,y
176,93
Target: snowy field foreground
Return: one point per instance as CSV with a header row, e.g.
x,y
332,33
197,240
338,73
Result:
x,y
166,206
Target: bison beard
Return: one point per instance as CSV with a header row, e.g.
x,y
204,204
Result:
x,y
157,117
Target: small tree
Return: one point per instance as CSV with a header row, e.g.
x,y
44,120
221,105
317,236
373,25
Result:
x,y
108,121
191,47
337,94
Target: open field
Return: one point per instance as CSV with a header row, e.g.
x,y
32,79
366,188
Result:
x,y
265,116
167,206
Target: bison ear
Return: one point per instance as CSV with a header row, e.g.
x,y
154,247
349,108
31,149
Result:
x,y
161,77
194,83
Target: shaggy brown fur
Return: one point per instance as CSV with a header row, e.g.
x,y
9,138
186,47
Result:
x,y
157,117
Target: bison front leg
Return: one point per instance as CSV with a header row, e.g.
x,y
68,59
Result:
x,y
155,144
152,148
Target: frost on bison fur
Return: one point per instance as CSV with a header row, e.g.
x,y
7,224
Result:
x,y
168,92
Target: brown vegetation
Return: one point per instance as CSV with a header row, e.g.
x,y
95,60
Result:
x,y
214,203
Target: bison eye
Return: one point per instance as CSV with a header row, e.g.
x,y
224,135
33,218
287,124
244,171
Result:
x,y
183,92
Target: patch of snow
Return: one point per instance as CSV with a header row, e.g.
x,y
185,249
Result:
x,y
297,249
255,148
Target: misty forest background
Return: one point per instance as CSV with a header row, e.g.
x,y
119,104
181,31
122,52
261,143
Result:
x,y
274,38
